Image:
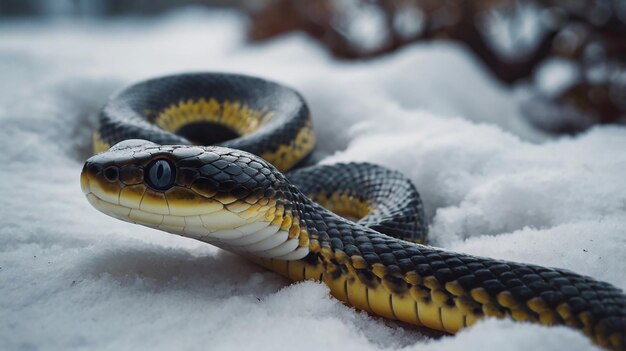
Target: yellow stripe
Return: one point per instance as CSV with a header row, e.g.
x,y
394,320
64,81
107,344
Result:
x,y
234,115
286,156
343,204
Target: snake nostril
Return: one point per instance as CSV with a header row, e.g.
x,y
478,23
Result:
x,y
93,168
111,174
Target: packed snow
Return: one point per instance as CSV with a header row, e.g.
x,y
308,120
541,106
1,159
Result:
x,y
73,278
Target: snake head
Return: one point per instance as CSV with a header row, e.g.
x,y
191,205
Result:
x,y
200,192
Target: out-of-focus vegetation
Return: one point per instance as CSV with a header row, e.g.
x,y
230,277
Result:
x,y
571,54
513,38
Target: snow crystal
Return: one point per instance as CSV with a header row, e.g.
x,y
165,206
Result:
x,y
71,277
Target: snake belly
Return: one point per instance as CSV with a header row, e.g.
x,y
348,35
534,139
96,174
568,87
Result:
x,y
355,227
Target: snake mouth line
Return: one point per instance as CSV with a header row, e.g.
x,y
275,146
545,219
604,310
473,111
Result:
x,y
210,218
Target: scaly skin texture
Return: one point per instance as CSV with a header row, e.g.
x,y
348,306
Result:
x,y
378,198
240,202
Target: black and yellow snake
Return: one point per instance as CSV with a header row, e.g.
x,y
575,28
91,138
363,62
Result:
x,y
152,172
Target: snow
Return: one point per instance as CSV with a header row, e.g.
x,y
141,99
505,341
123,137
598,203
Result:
x,y
556,75
73,278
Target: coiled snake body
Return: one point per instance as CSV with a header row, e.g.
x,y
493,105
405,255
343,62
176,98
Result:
x,y
235,196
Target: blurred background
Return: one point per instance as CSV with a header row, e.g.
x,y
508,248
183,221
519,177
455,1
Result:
x,y
568,56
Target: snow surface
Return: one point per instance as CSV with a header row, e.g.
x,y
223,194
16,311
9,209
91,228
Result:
x,y
73,278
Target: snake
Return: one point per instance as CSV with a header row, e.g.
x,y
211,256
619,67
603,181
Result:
x,y
229,160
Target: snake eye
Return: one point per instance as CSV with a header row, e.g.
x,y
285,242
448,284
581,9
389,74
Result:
x,y
160,174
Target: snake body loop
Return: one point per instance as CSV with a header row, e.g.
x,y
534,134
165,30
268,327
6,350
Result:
x,y
152,172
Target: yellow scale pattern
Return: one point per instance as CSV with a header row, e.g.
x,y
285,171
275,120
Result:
x,y
343,204
288,155
234,115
